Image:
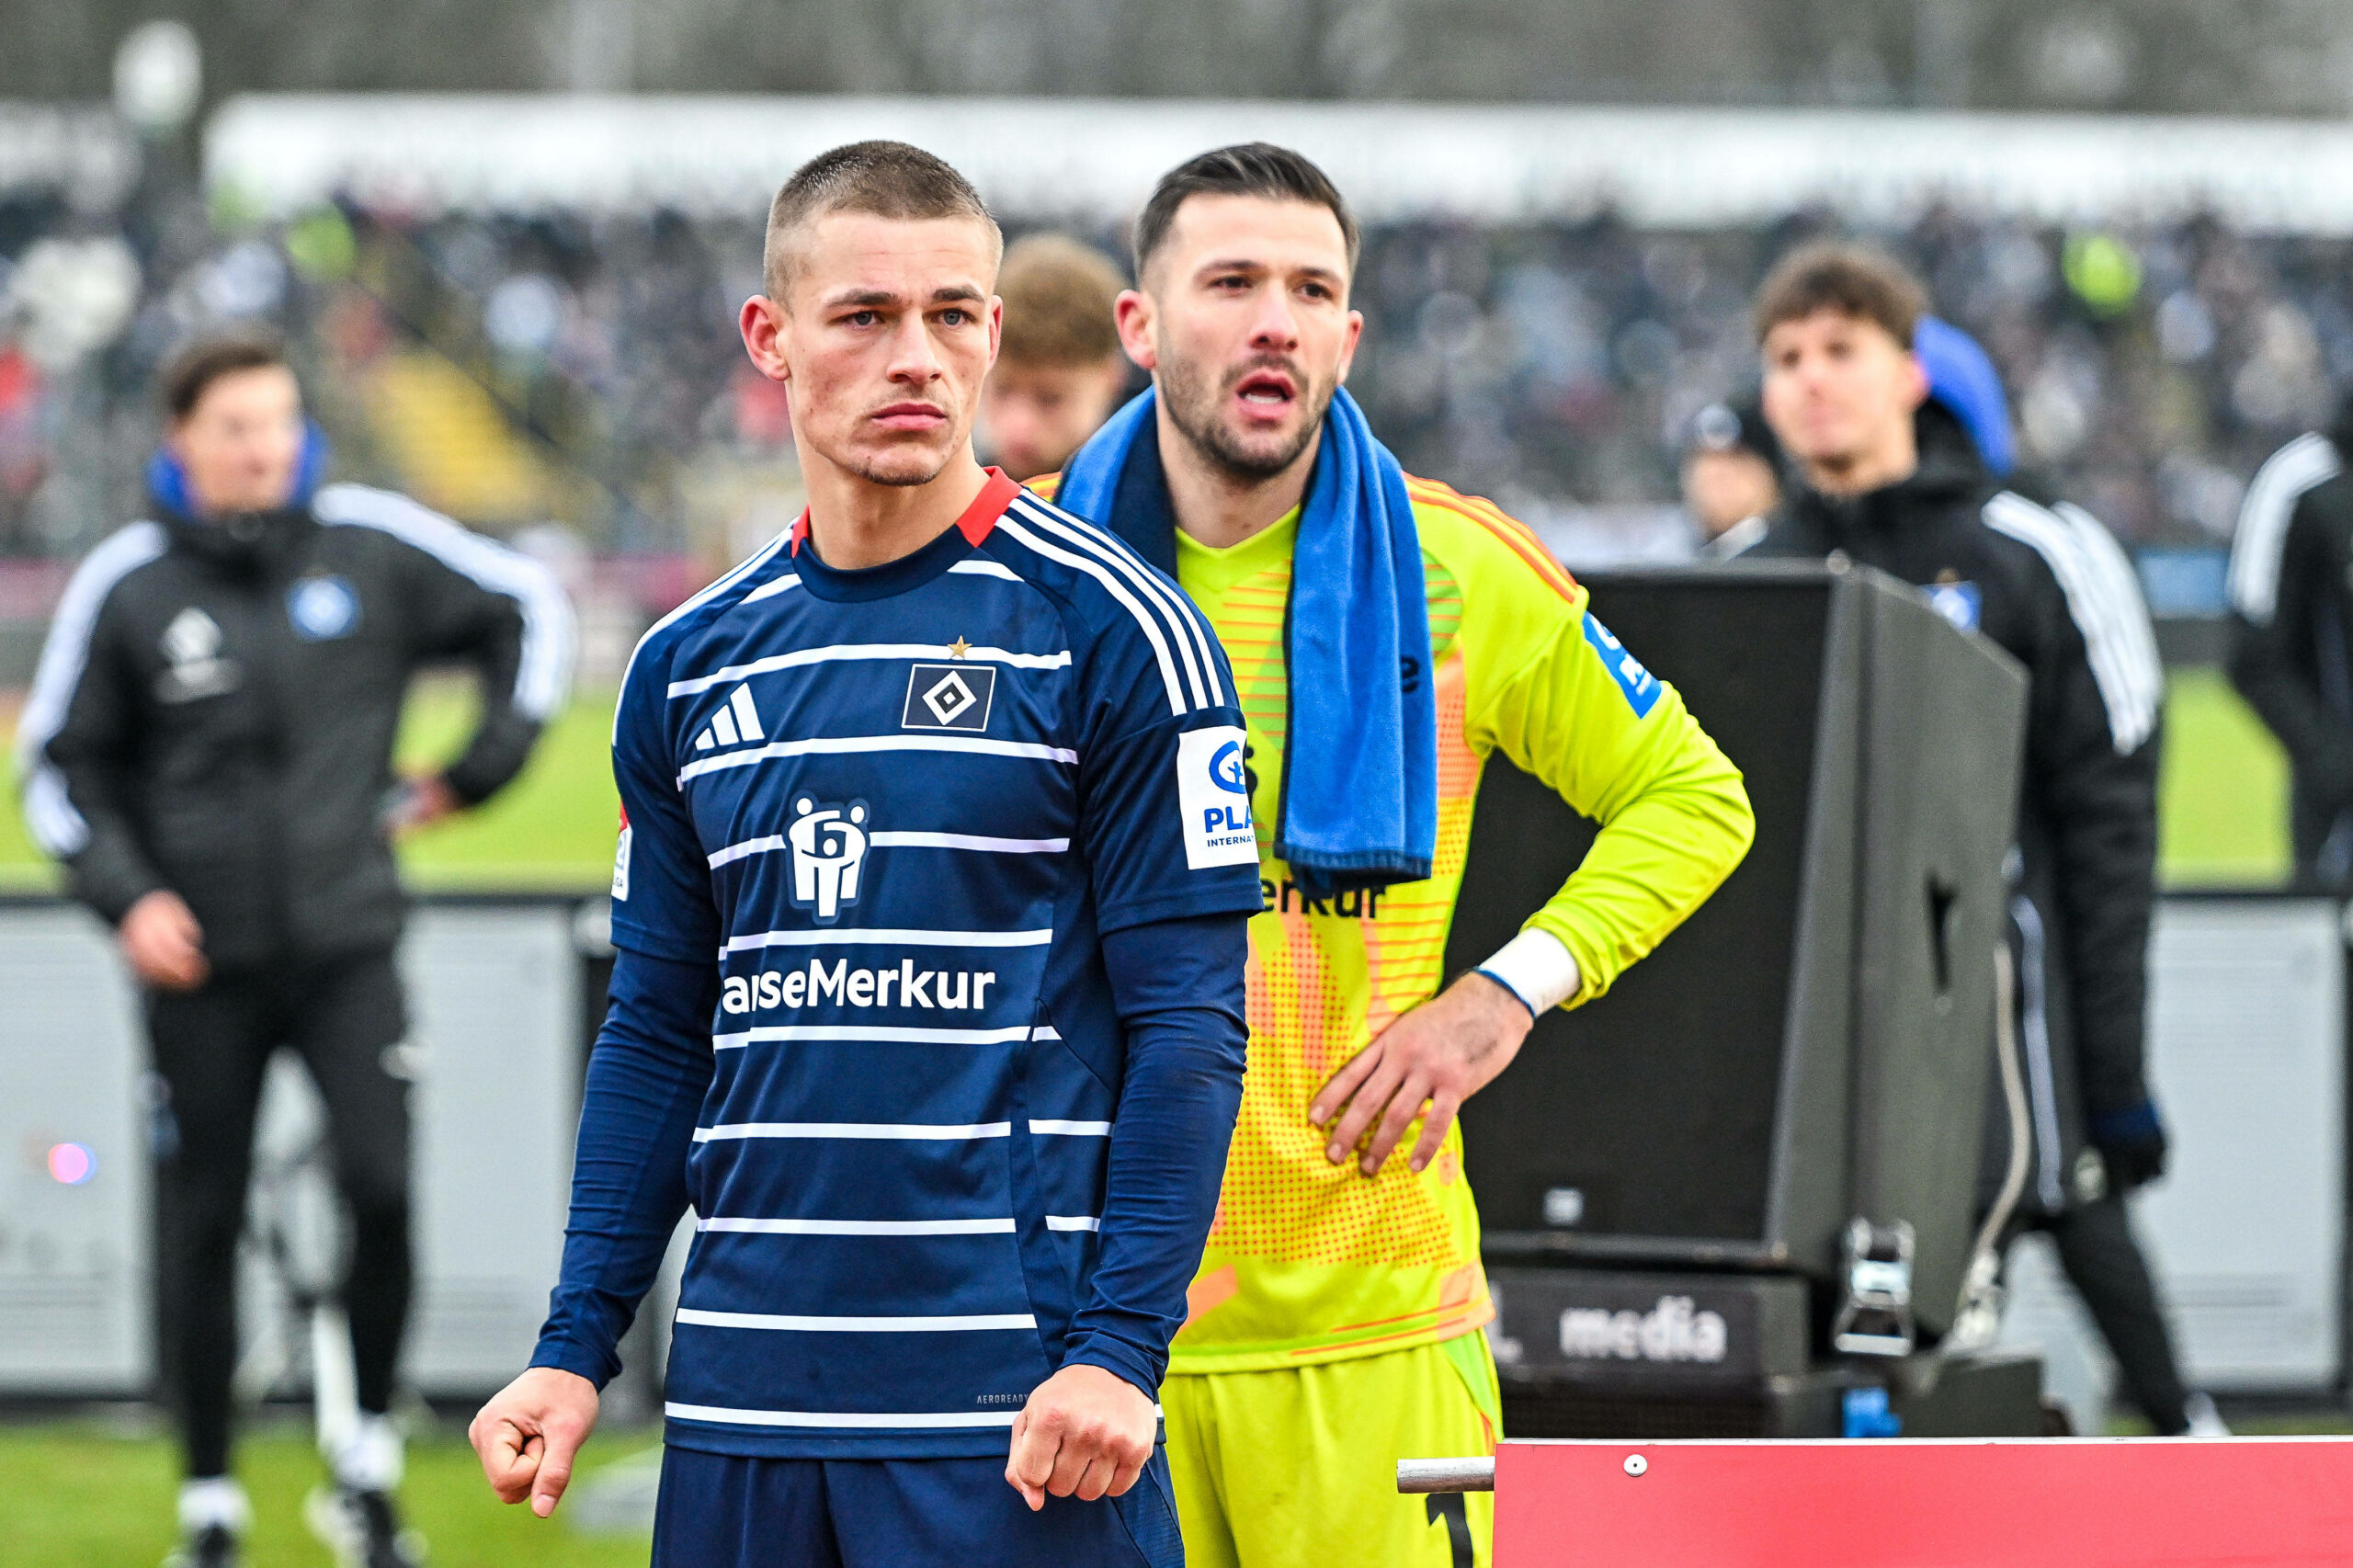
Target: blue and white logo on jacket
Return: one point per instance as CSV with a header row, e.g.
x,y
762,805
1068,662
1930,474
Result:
x,y
322,608
1641,686
1960,603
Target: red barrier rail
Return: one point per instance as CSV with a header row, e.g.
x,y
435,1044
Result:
x,y
2077,1502
2114,1502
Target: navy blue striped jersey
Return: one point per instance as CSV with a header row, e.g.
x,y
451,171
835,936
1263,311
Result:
x,y
900,806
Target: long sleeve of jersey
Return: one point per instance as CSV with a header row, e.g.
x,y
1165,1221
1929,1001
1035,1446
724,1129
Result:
x,y
496,610
78,738
1178,988
647,1076
2092,754
1581,713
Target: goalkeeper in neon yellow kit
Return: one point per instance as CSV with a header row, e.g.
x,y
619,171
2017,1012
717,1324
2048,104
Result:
x,y
1333,1327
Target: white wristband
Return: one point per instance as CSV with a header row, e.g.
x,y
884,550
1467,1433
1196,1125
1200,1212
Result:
x,y
1535,967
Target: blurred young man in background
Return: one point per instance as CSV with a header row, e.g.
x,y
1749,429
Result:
x,y
1388,636
1896,480
929,991
1060,372
207,748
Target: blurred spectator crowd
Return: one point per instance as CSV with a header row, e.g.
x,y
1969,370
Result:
x,y
518,369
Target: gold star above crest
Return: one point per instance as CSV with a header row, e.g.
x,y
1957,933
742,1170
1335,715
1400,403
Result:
x,y
959,648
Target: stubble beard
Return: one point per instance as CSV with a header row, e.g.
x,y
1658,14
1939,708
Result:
x,y
901,466
1193,409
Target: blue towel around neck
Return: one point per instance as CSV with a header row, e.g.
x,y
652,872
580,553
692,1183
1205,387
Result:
x,y
1360,787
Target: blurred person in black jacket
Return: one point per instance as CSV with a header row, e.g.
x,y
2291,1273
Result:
x,y
1892,473
2292,603
208,749
1732,476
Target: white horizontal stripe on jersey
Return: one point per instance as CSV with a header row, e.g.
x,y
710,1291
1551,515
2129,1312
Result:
x,y
888,936
855,745
733,1417
1145,620
984,569
770,589
1054,1126
2263,516
1074,1223
974,841
911,1131
847,651
774,842
773,1033
871,1227
1191,639
788,1324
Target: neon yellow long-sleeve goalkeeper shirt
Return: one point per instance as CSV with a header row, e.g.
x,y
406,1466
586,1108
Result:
x,y
1309,1261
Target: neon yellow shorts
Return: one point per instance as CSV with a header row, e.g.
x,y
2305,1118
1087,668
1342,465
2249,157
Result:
x,y
1297,1468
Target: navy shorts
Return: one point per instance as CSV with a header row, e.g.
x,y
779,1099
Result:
x,y
722,1511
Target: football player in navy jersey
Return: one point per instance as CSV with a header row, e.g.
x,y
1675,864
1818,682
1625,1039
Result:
x,y
929,906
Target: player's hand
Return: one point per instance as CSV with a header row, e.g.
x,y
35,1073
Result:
x,y
1085,1433
421,801
529,1432
163,943
1437,1055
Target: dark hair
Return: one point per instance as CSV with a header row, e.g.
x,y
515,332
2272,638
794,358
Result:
x,y
1253,168
188,373
1059,295
1865,284
886,180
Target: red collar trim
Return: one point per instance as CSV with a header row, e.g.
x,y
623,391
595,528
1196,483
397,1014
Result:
x,y
987,507
975,525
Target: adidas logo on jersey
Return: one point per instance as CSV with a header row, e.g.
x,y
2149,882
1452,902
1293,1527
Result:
x,y
736,721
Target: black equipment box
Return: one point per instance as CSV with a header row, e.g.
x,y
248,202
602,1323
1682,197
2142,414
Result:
x,y
1585,1352
1814,1043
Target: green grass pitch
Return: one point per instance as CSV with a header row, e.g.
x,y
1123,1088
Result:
x,y
75,1494
2223,804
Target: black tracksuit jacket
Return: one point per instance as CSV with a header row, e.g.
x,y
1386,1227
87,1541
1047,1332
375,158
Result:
x,y
2291,606
2050,586
216,706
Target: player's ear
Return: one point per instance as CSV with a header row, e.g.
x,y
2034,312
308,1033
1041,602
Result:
x,y
762,322
1349,346
1133,314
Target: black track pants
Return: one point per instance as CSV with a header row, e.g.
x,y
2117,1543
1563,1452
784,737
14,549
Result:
x,y
2097,1250
211,1045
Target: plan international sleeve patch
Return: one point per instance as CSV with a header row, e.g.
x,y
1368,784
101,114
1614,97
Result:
x,y
1213,793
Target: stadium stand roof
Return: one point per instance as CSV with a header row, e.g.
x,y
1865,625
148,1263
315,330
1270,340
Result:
x,y
1662,167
